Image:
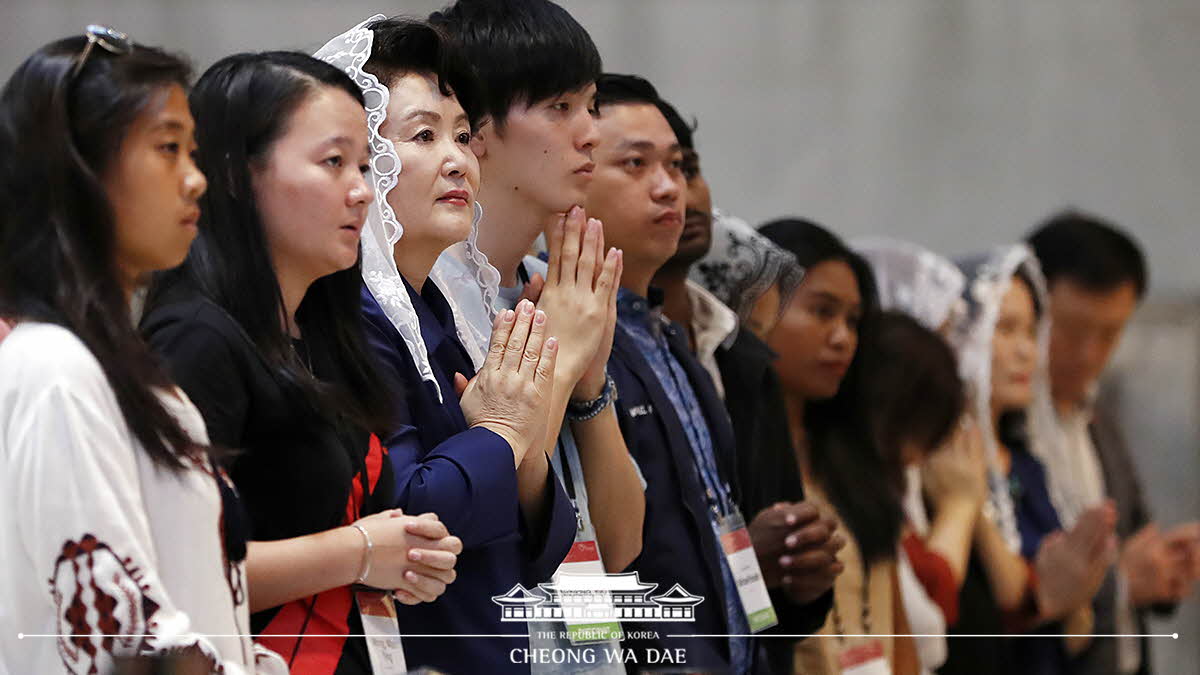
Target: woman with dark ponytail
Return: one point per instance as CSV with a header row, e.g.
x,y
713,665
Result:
x,y
109,492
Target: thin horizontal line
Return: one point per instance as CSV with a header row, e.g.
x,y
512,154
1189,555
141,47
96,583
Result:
x,y
1173,636
23,635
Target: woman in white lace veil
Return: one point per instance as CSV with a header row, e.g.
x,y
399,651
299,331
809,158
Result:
x,y
914,280
462,459
989,278
1019,502
351,51
748,272
928,287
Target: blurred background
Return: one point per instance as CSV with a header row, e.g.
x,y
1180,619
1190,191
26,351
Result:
x,y
957,124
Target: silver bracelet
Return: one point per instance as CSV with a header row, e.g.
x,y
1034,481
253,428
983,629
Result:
x,y
366,565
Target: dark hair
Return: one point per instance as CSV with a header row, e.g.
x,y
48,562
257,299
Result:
x,y
845,457
914,393
402,46
1090,251
59,133
242,105
620,89
522,51
683,130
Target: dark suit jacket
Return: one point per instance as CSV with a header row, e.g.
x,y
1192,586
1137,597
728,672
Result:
x,y
678,543
1123,485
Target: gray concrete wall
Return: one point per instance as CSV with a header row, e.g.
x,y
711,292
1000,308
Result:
x,y
954,123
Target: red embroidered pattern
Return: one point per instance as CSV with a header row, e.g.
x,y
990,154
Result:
x,y
104,607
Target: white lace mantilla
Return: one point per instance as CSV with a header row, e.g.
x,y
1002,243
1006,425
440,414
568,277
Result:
x,y
988,281
471,285
350,52
914,280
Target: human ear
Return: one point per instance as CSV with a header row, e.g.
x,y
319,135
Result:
x,y
479,141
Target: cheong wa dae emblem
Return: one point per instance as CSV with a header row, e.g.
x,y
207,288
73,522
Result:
x,y
597,597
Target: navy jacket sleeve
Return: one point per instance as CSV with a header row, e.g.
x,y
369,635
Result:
x,y
457,479
549,546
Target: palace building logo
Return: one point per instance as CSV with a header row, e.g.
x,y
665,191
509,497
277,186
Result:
x,y
597,602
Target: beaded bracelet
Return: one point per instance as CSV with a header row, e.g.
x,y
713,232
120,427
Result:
x,y
586,410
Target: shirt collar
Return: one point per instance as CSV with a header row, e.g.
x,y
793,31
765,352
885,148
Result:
x,y
645,312
713,324
1085,409
1088,405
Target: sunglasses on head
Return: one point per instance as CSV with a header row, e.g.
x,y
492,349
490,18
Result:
x,y
110,40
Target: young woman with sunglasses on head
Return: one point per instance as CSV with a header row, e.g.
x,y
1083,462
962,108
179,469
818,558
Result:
x,y
120,535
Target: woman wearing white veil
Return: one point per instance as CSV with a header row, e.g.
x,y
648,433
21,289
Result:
x,y
928,287
914,280
1002,344
463,461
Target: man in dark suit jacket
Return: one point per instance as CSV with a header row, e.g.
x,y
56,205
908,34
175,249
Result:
x,y
671,419
794,540
1096,275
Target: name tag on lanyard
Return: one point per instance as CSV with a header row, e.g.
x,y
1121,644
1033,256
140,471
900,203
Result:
x,y
864,659
752,588
587,607
588,613
377,610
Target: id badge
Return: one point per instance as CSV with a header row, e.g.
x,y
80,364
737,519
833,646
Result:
x,y
864,659
378,613
752,589
588,611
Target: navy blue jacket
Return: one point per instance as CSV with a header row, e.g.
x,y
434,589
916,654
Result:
x,y
467,477
678,543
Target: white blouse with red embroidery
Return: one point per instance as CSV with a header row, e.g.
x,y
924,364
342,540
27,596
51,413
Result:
x,y
102,552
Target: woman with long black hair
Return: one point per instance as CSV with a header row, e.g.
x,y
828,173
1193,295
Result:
x,y
828,322
108,490
260,327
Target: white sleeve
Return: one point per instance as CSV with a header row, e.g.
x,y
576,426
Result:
x,y
84,526
267,662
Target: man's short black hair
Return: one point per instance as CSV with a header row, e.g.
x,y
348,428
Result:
x,y
401,46
616,89
522,51
683,130
1090,251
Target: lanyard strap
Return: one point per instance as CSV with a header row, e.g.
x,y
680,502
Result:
x,y
569,468
839,629
716,490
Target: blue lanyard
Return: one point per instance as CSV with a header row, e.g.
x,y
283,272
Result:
x,y
716,490
568,466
